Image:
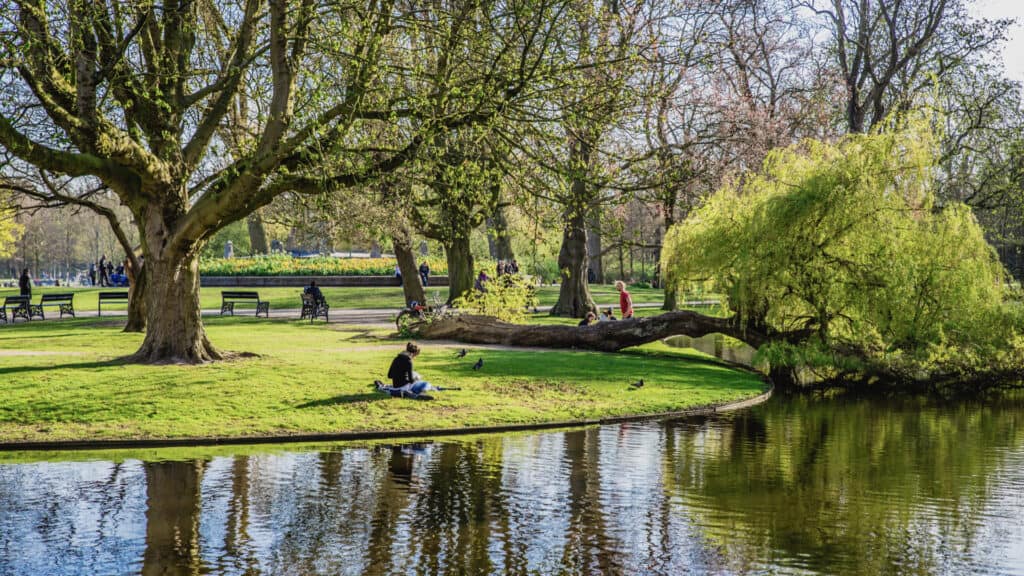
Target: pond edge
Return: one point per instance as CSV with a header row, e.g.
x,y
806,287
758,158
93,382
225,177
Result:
x,y
707,410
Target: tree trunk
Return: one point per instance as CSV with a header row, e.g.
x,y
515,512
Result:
x,y
574,298
603,336
174,333
498,240
257,234
594,244
136,302
412,287
460,266
671,297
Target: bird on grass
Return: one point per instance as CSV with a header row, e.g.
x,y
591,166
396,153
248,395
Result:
x,y
638,384
479,364
461,353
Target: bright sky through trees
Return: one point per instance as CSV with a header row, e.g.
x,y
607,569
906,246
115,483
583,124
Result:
x,y
1013,51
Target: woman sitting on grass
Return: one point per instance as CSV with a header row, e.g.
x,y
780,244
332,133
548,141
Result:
x,y
406,382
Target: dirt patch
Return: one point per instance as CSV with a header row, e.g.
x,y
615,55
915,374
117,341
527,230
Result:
x,y
518,387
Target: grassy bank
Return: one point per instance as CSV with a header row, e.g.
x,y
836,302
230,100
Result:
x,y
358,298
60,380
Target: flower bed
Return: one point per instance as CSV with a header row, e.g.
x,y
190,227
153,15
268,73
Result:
x,y
280,265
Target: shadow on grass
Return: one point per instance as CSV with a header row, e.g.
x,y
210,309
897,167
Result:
x,y
344,399
69,365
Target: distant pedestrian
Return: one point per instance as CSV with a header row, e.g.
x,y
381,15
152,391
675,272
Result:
x,y
104,279
25,283
92,273
229,249
398,273
625,300
110,272
424,272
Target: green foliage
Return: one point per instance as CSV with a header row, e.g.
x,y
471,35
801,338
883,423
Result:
x,y
506,298
237,233
10,231
844,241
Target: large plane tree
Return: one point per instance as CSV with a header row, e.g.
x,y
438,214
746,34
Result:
x,y
134,94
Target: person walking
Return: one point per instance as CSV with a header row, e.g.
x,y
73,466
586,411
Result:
x,y
92,273
625,300
424,272
104,280
25,283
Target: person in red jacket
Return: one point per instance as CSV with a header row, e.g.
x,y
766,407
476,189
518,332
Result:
x,y
625,300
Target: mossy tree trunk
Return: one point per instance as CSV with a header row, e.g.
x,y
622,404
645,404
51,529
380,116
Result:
x,y
460,266
574,298
174,331
412,286
257,233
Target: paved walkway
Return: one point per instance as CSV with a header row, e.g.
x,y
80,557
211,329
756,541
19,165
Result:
x,y
363,316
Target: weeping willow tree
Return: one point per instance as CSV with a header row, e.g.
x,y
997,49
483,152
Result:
x,y
839,254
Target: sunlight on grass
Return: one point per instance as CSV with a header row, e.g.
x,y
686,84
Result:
x,y
62,380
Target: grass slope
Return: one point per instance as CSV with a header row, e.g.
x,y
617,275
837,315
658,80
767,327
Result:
x,y
60,380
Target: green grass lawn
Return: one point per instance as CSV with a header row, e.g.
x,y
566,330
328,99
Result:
x,y
359,298
61,380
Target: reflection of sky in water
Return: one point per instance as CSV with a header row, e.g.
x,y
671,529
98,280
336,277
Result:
x,y
796,486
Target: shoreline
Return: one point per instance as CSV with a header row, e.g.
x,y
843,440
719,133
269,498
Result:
x,y
72,445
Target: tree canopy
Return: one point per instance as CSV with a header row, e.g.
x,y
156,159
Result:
x,y
841,251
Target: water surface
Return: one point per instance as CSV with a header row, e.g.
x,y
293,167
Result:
x,y
840,486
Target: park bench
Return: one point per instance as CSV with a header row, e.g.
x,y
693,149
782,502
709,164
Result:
x,y
64,301
230,297
108,297
18,306
312,308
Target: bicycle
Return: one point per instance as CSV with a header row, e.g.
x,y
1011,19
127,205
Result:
x,y
410,317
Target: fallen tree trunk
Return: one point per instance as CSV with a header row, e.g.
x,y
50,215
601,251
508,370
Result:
x,y
603,336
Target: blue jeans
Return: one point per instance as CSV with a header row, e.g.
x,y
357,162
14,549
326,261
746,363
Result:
x,y
416,388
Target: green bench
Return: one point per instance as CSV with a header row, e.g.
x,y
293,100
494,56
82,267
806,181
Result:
x,y
64,301
109,297
15,307
231,297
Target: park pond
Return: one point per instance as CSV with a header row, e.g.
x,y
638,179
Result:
x,y
797,485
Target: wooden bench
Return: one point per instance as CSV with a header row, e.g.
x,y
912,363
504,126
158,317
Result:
x,y
65,301
312,309
229,298
18,306
107,297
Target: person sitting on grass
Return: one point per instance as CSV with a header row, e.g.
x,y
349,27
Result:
x,y
406,382
588,320
607,315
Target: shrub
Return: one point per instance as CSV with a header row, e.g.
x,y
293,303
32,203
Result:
x,y
506,298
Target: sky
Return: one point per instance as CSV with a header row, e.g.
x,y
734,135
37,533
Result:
x,y
1013,50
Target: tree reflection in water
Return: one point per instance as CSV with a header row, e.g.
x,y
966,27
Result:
x,y
844,485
